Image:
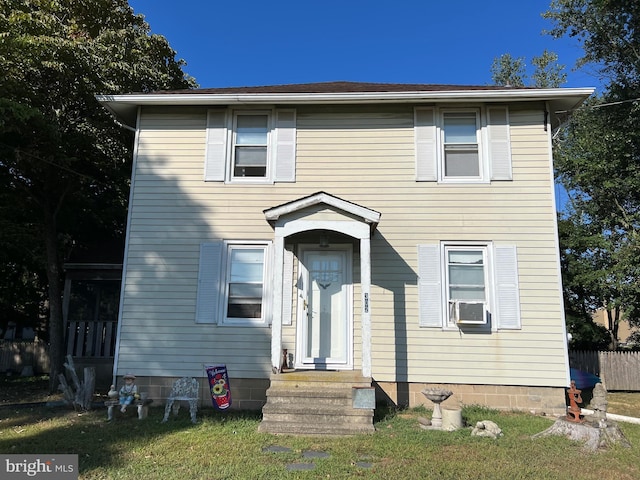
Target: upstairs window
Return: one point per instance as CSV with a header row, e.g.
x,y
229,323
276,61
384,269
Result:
x,y
245,146
250,149
461,147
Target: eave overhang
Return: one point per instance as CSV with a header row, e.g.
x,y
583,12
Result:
x,y
124,107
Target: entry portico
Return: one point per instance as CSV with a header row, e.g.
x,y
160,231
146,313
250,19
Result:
x,y
320,212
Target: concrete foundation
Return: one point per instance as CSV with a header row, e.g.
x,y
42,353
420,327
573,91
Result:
x,y
246,393
547,400
250,394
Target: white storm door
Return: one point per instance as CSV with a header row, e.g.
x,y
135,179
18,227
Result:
x,y
325,316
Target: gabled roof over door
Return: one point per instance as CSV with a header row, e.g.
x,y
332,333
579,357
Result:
x,y
306,207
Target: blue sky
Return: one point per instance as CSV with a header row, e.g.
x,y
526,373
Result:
x,y
256,42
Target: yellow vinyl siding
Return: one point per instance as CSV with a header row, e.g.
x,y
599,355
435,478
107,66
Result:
x,y
364,155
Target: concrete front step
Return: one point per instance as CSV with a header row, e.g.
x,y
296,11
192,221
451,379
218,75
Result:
x,y
307,399
316,379
321,414
315,403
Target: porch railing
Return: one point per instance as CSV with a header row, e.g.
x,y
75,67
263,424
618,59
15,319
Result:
x,y
91,339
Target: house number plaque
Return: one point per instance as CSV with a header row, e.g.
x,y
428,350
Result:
x,y
366,303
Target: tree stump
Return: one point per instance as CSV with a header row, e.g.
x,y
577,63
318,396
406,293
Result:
x,y
594,435
82,396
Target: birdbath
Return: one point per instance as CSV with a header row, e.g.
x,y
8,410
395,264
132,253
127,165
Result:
x,y
437,396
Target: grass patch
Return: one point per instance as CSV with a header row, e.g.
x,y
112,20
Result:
x,y
624,403
228,446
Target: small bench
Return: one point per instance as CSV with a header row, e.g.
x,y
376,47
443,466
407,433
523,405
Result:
x,y
141,404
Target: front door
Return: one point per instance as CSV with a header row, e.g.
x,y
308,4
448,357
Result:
x,y
324,313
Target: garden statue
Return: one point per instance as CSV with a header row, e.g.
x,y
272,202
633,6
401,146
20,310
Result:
x,y
573,413
129,391
599,402
112,393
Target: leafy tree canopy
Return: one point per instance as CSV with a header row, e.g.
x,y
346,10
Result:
x,y
509,71
64,162
598,161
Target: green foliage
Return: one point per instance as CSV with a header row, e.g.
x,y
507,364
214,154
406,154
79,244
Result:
x,y
64,162
548,72
597,158
509,71
607,31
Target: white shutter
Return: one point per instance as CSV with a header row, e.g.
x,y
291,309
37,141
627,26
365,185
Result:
x,y
429,286
209,280
499,143
216,150
284,154
426,145
287,287
507,289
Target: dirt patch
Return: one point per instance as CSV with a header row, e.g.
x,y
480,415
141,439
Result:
x,y
16,389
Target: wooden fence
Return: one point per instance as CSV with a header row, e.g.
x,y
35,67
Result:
x,y
92,341
15,355
618,370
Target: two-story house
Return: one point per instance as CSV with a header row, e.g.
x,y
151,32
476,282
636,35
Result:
x,y
400,236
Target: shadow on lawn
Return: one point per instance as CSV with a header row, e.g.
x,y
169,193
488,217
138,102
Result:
x,y
99,444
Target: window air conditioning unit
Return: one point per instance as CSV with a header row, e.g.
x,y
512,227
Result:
x,y
469,313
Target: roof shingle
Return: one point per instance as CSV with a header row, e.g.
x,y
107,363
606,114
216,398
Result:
x,y
336,87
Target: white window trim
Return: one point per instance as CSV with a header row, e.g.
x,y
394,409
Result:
x,y
494,144
450,323
503,290
231,132
483,154
265,319
281,146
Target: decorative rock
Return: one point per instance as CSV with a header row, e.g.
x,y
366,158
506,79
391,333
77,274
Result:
x,y
486,428
599,402
424,422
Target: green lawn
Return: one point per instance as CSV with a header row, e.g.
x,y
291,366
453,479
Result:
x,y
228,446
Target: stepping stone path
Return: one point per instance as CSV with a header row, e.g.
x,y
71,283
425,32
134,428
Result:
x,y
308,455
312,454
276,449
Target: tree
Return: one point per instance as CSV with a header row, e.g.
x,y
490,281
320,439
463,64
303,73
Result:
x,y
609,33
597,158
596,274
548,72
64,162
509,71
